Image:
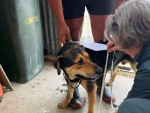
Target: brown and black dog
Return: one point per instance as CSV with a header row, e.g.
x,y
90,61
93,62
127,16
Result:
x,y
74,61
76,65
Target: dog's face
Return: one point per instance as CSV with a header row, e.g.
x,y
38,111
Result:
x,y
73,59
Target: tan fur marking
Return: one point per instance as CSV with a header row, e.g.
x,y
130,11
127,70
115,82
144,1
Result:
x,y
70,91
91,97
86,69
86,55
108,82
66,52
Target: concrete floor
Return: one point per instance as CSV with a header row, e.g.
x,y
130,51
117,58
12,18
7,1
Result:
x,y
45,91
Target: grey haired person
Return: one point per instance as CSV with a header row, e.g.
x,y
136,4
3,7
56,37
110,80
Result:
x,y
128,30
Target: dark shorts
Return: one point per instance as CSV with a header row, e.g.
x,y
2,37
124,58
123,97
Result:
x,y
75,8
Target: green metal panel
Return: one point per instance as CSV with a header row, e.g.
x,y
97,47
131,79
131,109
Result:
x,y
21,47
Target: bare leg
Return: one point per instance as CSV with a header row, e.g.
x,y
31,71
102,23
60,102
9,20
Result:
x,y
98,23
98,26
75,26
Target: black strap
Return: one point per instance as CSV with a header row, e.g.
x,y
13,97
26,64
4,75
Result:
x,y
70,85
75,80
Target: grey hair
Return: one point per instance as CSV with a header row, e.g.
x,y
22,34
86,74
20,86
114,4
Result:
x,y
130,24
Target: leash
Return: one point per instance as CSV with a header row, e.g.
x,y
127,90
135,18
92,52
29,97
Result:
x,y
69,84
102,88
111,81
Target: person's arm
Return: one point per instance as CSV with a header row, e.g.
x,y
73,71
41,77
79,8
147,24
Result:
x,y
141,87
64,32
118,3
56,6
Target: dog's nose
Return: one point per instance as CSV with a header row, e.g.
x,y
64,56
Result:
x,y
98,70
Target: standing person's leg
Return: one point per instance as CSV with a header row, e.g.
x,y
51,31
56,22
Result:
x,y
99,10
98,17
134,105
97,26
75,26
74,17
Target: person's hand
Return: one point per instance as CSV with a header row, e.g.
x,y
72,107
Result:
x,y
104,39
111,47
115,112
64,33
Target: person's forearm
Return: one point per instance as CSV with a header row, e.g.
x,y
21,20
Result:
x,y
56,6
118,3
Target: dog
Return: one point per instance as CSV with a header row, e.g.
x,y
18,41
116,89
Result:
x,y
84,66
74,61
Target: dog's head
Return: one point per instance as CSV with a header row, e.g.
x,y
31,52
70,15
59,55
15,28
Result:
x,y
74,60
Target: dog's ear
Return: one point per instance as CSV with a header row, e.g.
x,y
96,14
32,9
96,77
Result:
x,y
59,64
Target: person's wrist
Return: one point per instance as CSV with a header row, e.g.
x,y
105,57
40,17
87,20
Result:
x,y
60,24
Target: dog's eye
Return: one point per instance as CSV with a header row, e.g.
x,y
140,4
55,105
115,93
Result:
x,y
80,62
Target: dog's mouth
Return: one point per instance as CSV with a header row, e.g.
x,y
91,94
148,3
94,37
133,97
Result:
x,y
86,78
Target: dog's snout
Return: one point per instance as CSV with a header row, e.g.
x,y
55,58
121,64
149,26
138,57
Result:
x,y
98,70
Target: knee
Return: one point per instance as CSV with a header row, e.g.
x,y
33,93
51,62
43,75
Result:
x,y
126,107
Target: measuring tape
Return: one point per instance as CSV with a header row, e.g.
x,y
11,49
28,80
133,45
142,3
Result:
x,y
111,76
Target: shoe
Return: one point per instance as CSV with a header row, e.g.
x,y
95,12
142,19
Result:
x,y
76,102
107,95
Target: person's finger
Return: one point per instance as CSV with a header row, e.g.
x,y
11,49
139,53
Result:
x,y
115,112
110,45
68,37
63,41
62,38
112,49
104,39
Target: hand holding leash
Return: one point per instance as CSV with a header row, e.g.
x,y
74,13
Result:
x,y
111,47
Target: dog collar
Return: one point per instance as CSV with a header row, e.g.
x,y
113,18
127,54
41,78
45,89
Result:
x,y
75,80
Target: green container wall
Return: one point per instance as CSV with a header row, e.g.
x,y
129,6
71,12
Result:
x,y
21,47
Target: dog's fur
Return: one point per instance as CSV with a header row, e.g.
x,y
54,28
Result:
x,y
132,65
76,65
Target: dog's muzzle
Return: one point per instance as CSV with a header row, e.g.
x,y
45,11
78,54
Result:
x,y
98,70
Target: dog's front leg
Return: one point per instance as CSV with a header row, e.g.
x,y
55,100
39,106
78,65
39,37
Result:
x,y
70,91
91,89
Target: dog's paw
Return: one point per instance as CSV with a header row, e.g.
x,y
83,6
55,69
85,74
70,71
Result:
x,y
108,83
63,105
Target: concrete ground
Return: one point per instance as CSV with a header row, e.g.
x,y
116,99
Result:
x,y
45,91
